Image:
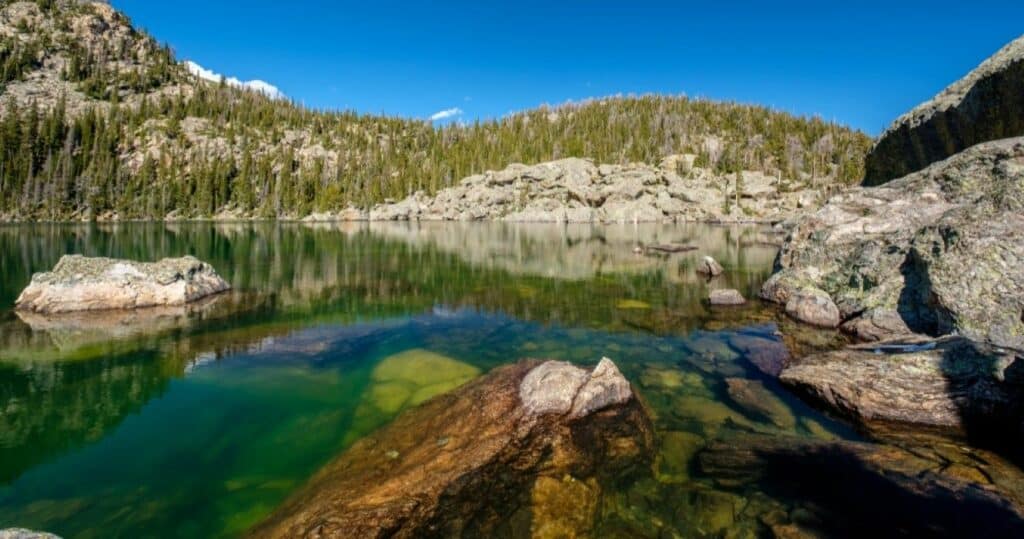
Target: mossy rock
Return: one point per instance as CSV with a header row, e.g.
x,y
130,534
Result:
x,y
414,376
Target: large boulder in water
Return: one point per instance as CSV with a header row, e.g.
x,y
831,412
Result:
x,y
79,283
987,104
940,251
524,449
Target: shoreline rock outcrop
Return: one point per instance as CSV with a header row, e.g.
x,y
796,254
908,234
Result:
x,y
934,258
987,104
936,252
523,450
577,190
78,283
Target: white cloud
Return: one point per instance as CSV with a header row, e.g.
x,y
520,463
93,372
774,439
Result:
x,y
446,114
260,86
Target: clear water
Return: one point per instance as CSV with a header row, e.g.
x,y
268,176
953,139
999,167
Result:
x,y
198,423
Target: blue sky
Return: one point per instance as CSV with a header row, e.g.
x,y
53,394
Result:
x,y
859,63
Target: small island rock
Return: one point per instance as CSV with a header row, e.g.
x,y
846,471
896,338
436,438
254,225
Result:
x,y
726,296
79,283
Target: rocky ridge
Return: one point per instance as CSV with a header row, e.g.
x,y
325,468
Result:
x,y
936,252
987,104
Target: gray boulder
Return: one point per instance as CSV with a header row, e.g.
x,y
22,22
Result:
x,y
726,296
987,104
79,283
557,387
814,307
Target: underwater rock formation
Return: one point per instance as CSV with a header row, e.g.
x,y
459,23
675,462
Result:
x,y
500,455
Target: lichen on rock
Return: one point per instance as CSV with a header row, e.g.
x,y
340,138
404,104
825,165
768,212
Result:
x,y
936,252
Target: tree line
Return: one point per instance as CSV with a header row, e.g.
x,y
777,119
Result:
x,y
152,140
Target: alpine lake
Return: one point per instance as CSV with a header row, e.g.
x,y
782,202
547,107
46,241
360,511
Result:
x,y
198,422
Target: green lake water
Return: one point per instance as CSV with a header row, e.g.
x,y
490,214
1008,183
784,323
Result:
x,y
198,422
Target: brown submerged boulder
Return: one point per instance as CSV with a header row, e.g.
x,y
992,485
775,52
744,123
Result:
x,y
78,283
521,450
924,488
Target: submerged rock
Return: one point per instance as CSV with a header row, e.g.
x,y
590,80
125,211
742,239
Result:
x,y
987,104
710,267
675,456
757,399
79,283
518,441
726,296
955,384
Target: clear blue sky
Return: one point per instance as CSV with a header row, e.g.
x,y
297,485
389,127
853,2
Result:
x,y
860,63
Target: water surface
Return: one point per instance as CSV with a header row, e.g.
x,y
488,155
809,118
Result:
x,y
197,422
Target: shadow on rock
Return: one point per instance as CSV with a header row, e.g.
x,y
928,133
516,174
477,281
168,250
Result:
x,y
987,385
850,489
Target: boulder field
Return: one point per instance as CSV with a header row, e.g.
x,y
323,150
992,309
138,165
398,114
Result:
x,y
576,190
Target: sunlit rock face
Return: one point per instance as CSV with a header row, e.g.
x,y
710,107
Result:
x,y
501,455
936,252
79,283
579,191
987,104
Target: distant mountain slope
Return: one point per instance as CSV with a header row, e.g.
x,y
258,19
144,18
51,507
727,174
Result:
x,y
98,121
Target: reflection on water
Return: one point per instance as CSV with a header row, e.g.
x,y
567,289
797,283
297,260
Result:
x,y
198,422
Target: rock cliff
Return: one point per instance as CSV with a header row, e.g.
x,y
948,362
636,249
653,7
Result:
x,y
936,252
987,104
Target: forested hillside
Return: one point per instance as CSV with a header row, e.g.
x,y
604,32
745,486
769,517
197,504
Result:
x,y
99,121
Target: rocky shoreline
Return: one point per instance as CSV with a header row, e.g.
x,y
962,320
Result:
x,y
927,267
577,190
